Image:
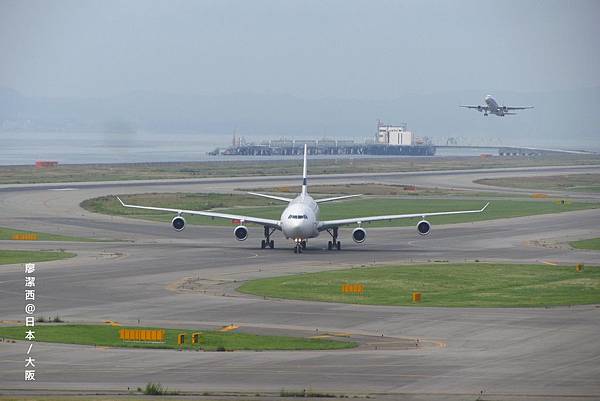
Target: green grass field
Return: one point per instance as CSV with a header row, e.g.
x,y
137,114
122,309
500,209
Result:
x,y
106,335
566,182
7,234
452,285
8,257
367,206
592,244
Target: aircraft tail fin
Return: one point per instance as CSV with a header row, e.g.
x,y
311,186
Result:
x,y
304,175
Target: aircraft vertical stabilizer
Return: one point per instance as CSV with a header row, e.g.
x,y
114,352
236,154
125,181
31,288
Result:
x,y
304,185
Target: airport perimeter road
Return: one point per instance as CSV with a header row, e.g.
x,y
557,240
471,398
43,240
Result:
x,y
539,353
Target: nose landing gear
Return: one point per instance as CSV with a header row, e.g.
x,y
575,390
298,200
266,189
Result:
x,y
299,245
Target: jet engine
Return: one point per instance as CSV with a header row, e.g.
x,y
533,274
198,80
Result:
x,y
424,227
178,223
241,233
359,235
479,108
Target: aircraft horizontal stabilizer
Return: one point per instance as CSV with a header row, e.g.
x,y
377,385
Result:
x,y
335,198
279,198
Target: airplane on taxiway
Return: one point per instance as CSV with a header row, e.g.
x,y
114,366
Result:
x,y
300,219
491,106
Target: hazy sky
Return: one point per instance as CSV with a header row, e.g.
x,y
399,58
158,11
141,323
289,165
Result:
x,y
311,49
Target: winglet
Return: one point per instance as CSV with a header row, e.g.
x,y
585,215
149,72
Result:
x,y
120,200
486,205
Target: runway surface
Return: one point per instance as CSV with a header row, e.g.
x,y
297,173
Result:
x,y
516,353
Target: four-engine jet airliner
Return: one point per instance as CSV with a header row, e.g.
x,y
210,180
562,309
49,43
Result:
x,y
300,219
493,107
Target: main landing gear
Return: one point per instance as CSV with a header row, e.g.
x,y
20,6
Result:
x,y
268,242
334,243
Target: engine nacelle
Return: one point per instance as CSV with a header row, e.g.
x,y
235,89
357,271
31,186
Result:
x,y
359,235
241,233
178,223
424,227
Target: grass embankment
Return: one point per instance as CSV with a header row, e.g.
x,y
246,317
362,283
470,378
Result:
x,y
132,396
453,285
8,257
106,335
9,233
566,182
152,171
362,207
591,244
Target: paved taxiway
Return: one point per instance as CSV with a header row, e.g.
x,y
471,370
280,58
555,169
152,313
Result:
x,y
520,352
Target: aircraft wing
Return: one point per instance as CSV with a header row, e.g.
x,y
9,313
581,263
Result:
x,y
480,108
518,108
358,220
248,219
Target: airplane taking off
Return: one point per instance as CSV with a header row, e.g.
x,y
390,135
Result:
x,y
300,219
493,107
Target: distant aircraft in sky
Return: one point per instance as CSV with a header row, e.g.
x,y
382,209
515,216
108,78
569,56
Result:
x,y
493,107
300,219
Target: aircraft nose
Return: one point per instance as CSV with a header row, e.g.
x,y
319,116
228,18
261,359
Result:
x,y
297,226
294,228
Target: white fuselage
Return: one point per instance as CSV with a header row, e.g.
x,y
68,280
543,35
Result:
x,y
300,219
493,106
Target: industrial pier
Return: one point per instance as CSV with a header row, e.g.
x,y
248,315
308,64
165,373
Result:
x,y
389,140
327,147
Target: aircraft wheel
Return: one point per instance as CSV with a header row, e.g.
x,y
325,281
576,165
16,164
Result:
x,y
303,243
263,244
338,245
272,244
329,245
